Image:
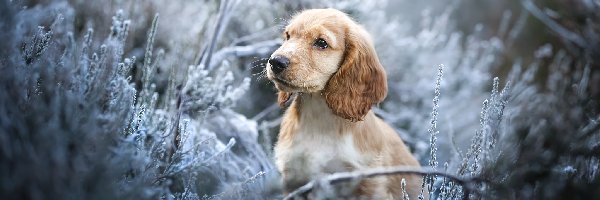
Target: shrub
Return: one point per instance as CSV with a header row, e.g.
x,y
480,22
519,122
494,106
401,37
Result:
x,y
130,104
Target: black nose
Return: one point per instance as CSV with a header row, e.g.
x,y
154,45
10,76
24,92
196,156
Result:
x,y
279,63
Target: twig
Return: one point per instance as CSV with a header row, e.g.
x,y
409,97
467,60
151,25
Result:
x,y
358,175
266,124
262,33
452,138
207,51
147,68
504,23
590,128
264,113
224,13
259,48
560,30
517,28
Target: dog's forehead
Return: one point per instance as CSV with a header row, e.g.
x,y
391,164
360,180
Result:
x,y
322,23
312,14
309,20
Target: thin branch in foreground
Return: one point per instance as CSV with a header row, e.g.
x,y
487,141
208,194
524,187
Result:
x,y
336,178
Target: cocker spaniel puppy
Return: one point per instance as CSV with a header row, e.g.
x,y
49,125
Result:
x,y
329,61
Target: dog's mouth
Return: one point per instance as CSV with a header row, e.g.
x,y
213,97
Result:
x,y
283,83
287,86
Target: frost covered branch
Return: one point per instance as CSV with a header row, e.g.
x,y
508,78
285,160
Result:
x,y
433,131
336,178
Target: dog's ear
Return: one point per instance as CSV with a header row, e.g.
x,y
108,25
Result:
x,y
360,80
283,97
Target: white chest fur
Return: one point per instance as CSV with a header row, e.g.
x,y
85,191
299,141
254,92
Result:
x,y
319,145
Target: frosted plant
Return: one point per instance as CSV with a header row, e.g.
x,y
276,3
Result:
x,y
535,151
138,147
445,186
433,131
69,125
404,193
119,105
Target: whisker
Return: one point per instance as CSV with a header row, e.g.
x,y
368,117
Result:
x,y
262,73
258,65
259,60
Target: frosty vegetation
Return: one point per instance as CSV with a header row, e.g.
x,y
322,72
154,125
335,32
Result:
x,y
163,100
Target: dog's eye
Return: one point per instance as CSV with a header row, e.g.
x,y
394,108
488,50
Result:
x,y
321,44
287,35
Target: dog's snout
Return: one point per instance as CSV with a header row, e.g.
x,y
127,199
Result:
x,y
279,63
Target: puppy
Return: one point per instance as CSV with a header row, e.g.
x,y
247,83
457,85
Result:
x,y
329,61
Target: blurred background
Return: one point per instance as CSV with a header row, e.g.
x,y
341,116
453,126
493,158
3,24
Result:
x,y
168,99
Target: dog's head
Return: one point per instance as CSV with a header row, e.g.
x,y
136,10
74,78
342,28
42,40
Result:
x,y
326,52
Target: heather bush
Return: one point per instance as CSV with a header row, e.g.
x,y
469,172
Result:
x,y
167,100
78,122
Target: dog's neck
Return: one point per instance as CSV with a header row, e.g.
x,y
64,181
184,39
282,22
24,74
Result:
x,y
314,112
313,105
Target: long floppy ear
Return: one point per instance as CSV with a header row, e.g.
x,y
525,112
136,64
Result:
x,y
359,82
283,97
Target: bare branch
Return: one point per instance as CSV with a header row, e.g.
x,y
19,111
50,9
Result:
x,y
223,18
467,183
265,112
265,33
259,48
590,128
560,30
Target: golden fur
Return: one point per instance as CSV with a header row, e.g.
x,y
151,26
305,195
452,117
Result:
x,y
329,127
